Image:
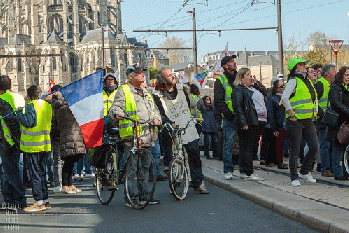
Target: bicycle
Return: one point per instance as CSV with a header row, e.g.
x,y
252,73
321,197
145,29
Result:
x,y
346,160
138,174
179,169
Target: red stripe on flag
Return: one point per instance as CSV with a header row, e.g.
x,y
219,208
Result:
x,y
93,133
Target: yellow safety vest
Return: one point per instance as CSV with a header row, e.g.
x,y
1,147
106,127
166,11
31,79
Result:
x,y
301,103
126,126
196,98
323,101
8,97
228,90
108,101
37,139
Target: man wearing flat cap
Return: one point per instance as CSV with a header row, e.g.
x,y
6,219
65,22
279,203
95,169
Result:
x,y
134,101
222,100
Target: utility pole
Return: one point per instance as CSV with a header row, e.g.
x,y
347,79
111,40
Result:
x,y
195,48
103,47
281,47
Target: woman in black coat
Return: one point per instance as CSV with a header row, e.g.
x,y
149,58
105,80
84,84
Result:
x,y
339,100
72,146
247,122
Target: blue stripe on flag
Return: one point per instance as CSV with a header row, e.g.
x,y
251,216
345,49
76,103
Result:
x,y
82,88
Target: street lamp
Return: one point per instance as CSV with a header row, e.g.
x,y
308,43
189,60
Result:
x,y
260,72
335,46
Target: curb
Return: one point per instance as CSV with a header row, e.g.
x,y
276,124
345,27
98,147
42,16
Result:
x,y
290,212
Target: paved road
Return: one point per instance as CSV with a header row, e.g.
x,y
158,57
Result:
x,y
220,211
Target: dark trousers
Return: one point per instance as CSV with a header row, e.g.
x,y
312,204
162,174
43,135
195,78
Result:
x,y
195,164
296,131
37,170
259,132
214,143
280,142
220,142
67,171
268,146
247,139
166,146
12,188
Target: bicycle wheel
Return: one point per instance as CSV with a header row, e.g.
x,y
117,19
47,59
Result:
x,y
178,180
346,160
106,178
140,178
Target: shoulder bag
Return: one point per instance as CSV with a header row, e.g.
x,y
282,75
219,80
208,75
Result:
x,y
343,134
331,117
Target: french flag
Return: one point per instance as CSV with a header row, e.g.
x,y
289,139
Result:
x,y
85,100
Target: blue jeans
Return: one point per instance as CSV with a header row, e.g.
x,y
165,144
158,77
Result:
x,y
21,166
214,143
50,167
155,150
229,131
338,150
79,166
37,169
325,149
12,187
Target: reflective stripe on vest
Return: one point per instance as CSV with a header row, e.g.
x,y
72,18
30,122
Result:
x,y
126,126
37,139
8,97
108,101
196,98
324,98
228,90
301,103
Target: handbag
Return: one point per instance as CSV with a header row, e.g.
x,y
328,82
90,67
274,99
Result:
x,y
331,117
343,134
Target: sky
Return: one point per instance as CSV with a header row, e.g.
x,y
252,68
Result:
x,y
299,19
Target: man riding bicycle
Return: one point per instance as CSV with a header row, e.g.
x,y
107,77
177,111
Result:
x,y
135,101
174,105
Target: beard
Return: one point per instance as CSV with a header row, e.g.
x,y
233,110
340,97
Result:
x,y
170,82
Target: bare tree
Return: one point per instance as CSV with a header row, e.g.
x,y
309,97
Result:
x,y
177,56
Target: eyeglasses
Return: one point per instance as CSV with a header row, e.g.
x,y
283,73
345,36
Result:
x,y
313,71
283,86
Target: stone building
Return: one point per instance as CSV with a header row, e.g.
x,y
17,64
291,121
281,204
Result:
x,y
78,30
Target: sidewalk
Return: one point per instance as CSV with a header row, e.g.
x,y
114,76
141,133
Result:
x,y
323,205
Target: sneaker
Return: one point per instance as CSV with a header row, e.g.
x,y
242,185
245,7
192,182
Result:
x,y
75,177
128,205
57,189
90,175
295,183
228,176
242,175
308,177
166,169
68,191
253,177
80,177
202,189
75,189
34,208
47,205
154,201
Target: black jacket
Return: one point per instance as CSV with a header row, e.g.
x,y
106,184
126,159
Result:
x,y
219,96
243,106
12,123
276,113
339,101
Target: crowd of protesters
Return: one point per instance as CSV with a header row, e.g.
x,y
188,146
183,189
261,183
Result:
x,y
241,115
287,116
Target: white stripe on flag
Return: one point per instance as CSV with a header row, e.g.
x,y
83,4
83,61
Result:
x,y
88,109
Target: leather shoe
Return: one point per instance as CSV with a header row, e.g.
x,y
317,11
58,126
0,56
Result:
x,y
341,178
282,166
327,174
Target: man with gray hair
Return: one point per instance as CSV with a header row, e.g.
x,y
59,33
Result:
x,y
322,87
